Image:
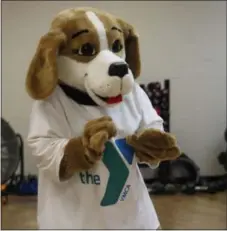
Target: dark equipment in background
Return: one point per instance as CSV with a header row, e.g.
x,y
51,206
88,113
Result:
x,y
10,152
11,156
160,99
181,175
13,180
180,171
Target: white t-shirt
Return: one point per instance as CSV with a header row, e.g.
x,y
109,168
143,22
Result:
x,y
112,195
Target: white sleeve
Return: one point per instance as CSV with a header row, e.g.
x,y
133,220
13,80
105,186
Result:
x,y
150,118
47,137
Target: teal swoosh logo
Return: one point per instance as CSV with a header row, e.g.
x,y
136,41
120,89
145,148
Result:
x,y
118,174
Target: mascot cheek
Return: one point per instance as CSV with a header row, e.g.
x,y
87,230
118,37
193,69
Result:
x,y
71,72
97,73
127,84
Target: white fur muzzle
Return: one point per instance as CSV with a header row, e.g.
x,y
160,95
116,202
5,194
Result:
x,y
93,77
99,83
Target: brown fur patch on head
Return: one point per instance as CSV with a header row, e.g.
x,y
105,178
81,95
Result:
x,y
72,22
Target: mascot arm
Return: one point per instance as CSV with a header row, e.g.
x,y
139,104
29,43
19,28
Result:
x,y
151,143
56,153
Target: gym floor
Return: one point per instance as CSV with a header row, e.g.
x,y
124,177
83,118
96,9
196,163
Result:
x,y
201,211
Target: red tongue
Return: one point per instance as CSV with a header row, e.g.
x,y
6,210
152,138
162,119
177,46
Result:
x,y
116,99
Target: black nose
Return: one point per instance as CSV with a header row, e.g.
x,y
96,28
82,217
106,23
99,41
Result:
x,y
119,69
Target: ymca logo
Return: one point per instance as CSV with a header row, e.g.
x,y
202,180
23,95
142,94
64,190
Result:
x,y
118,170
117,154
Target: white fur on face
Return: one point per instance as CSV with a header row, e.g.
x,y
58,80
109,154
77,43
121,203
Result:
x,y
98,79
98,82
98,25
93,77
71,72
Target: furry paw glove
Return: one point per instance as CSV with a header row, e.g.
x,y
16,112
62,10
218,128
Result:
x,y
153,146
83,152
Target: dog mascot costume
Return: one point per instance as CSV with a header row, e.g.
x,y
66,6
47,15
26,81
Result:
x,y
91,124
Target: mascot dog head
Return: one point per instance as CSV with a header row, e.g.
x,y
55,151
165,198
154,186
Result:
x,y
89,50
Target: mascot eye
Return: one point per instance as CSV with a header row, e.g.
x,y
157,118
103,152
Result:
x,y
86,49
117,46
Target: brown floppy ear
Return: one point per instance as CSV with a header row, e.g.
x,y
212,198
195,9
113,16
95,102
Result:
x,y
42,77
131,47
